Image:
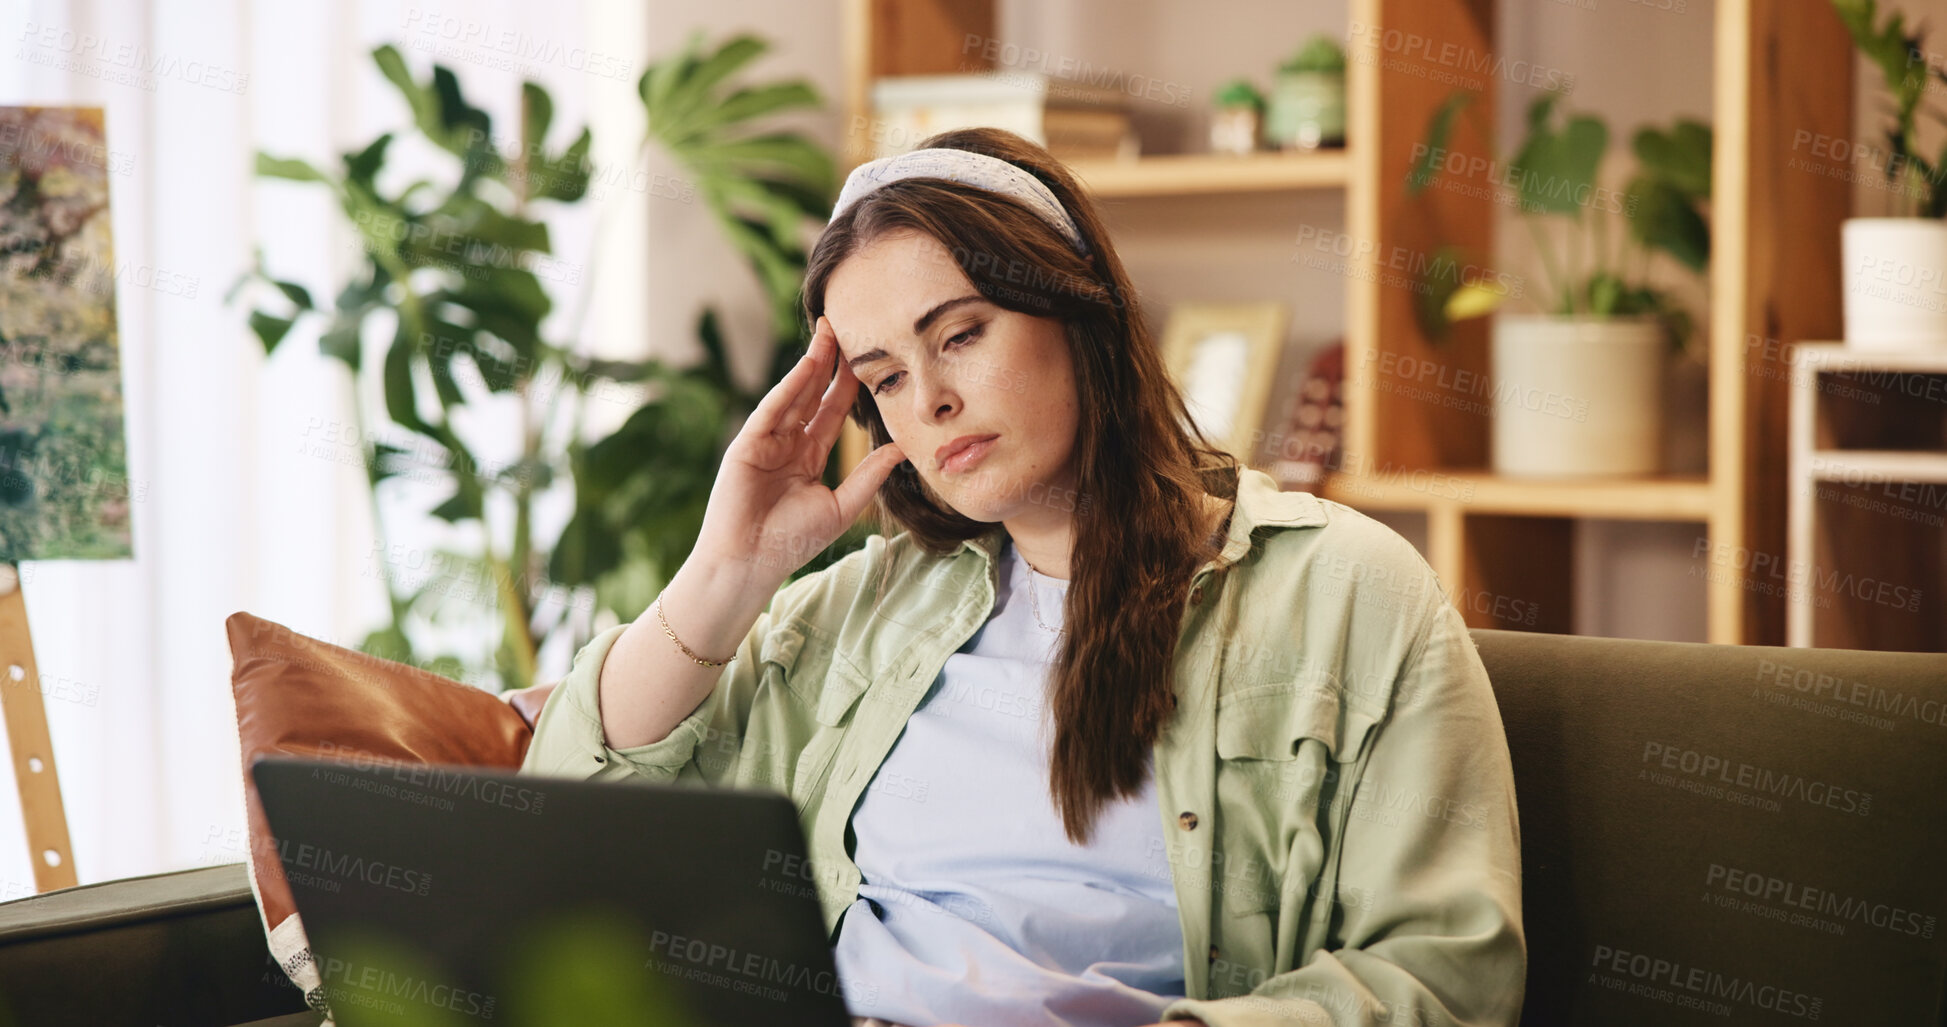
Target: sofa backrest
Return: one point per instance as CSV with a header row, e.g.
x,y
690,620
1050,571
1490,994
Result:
x,y
1716,834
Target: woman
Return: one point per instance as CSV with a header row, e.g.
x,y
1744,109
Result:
x,y
1112,732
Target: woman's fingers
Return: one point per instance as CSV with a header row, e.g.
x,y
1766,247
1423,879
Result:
x,y
856,490
824,344
769,415
830,418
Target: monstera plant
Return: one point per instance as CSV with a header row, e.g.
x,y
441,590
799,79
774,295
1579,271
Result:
x,y
451,306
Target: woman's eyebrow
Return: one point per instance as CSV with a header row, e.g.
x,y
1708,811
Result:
x,y
919,328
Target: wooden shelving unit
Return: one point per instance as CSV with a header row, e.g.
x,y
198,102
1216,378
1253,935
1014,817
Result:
x,y
1781,67
1866,558
1202,173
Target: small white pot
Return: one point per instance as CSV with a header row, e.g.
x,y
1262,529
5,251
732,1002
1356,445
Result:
x,y
1577,396
1895,282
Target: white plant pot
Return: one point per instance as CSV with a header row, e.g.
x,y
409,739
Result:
x,y
1577,396
1895,282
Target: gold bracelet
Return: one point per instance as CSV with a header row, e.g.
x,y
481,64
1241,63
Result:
x,y
679,642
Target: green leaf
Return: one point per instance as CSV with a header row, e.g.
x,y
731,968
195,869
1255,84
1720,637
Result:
x,y
1555,171
753,102
1680,157
418,100
691,90
363,166
291,168
462,128
565,178
1439,133
1476,299
1605,294
296,293
388,643
588,547
538,114
785,152
1663,218
401,398
1443,295
659,79
463,504
716,353
270,330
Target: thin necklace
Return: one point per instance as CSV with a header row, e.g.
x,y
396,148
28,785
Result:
x,y
1034,603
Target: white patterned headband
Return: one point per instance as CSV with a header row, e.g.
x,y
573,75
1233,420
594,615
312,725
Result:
x,y
969,168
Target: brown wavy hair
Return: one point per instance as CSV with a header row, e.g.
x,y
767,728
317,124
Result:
x,y
1141,469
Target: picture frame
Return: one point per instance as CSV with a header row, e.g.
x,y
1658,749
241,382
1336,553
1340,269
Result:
x,y
1224,357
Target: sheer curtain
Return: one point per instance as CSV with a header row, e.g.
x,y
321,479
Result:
x,y
236,507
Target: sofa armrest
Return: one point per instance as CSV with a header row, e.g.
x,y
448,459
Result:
x,y
169,949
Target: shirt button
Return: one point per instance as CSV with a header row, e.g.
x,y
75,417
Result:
x,y
1188,821
1213,953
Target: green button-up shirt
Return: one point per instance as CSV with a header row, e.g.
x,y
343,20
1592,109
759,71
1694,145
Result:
x,y
1334,789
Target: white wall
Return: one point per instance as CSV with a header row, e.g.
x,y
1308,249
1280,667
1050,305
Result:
x,y
248,503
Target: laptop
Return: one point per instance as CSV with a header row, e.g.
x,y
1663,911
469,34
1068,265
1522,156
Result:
x,y
437,895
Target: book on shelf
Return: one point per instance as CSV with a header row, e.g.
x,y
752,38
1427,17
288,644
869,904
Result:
x,y
1072,119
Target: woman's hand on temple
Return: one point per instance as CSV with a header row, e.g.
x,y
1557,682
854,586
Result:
x,y
769,504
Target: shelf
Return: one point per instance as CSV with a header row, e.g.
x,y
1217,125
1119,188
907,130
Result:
x,y
1873,466
1664,498
1190,174
1838,357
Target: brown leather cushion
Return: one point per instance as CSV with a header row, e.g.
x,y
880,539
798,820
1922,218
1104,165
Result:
x,y
298,696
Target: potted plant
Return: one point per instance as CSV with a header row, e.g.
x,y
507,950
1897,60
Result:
x,y
1234,124
449,310
1577,387
1895,294
1307,108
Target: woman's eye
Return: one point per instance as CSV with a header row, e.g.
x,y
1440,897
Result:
x,y
962,339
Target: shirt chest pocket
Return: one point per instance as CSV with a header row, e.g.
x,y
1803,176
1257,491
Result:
x,y
1275,788
824,683
1272,721
819,677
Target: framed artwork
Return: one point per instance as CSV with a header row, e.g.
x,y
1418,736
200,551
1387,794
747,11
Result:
x,y
64,489
1224,356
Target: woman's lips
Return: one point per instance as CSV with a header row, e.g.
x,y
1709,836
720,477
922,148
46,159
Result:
x,y
969,456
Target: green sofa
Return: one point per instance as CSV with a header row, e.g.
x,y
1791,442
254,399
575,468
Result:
x,y
1710,835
